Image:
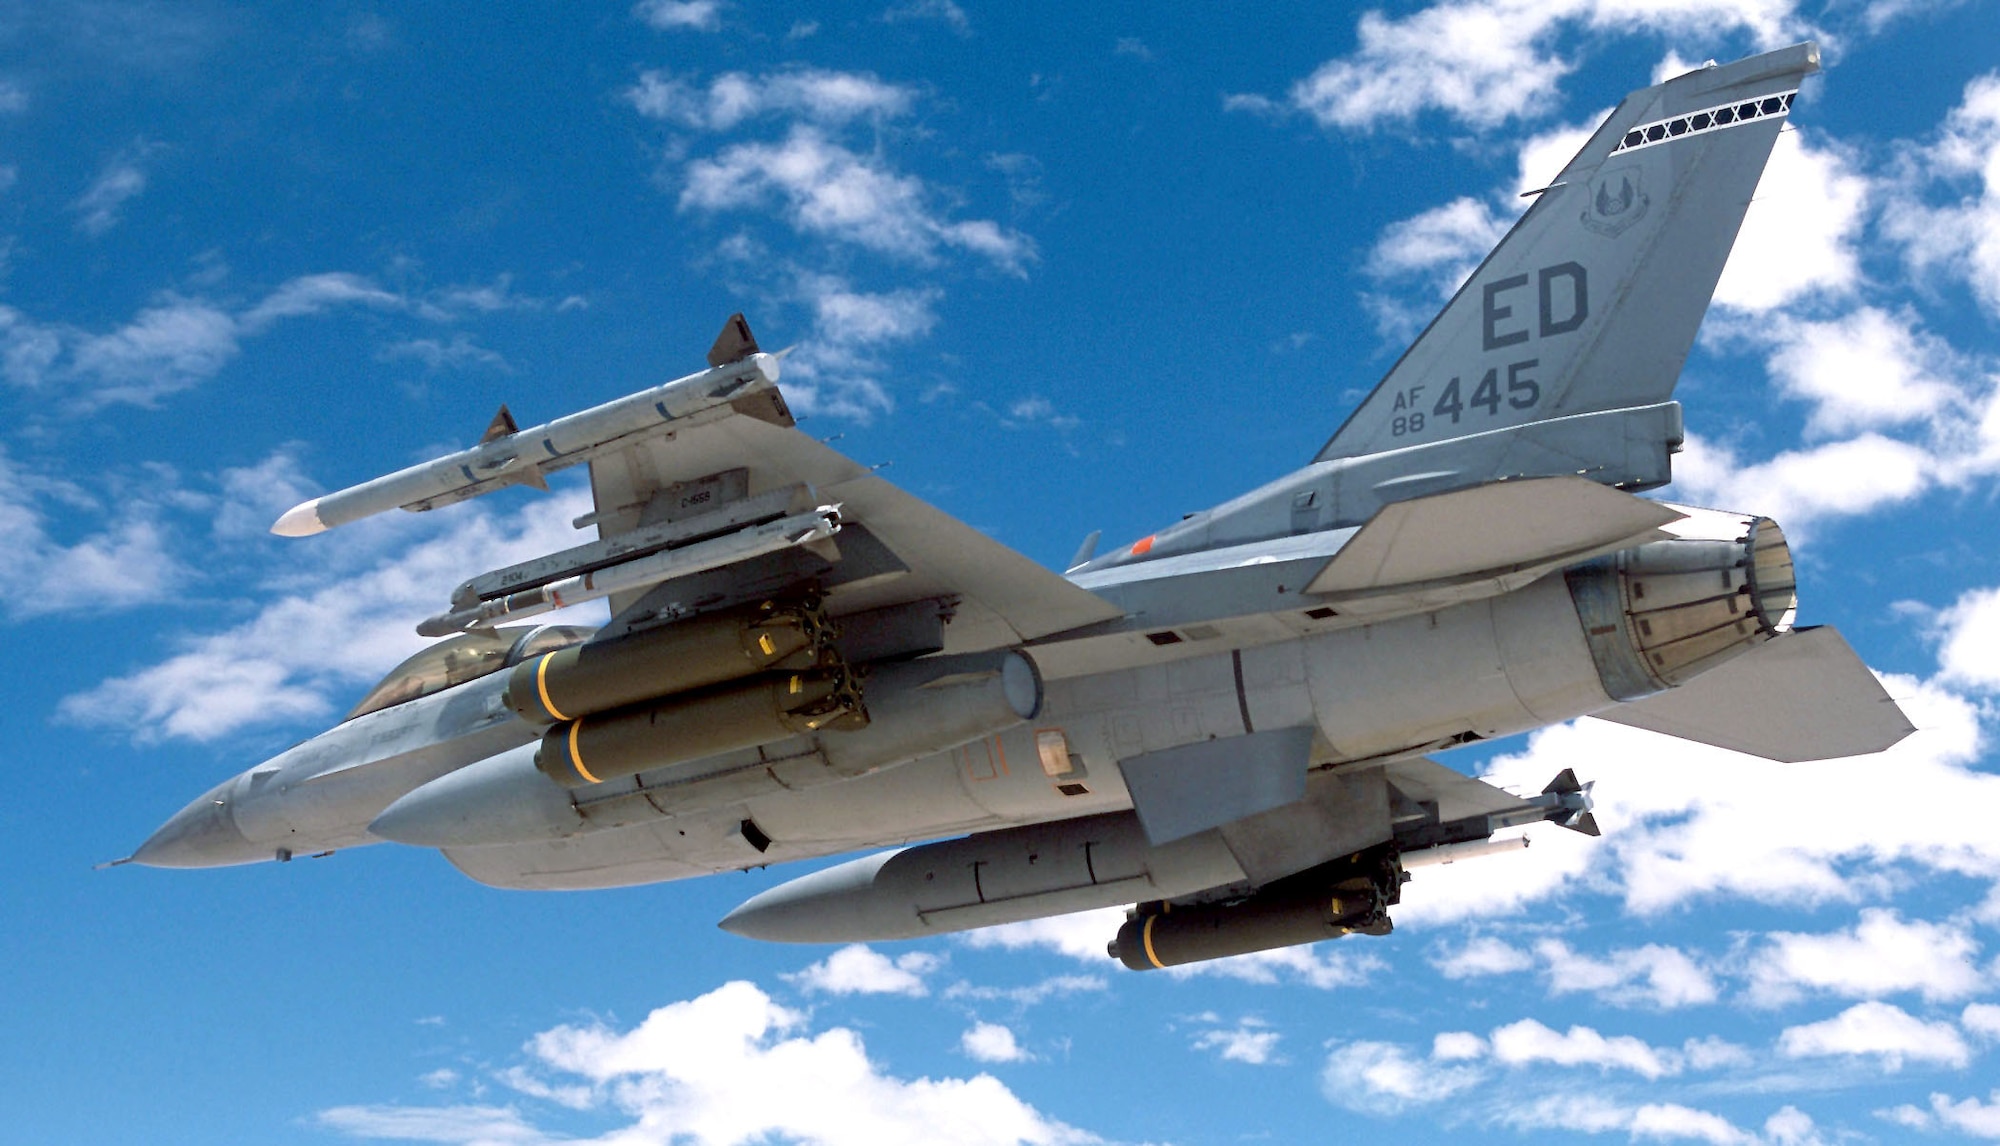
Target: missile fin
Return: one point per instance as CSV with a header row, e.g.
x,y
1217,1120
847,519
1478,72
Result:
x,y
734,344
501,426
1586,823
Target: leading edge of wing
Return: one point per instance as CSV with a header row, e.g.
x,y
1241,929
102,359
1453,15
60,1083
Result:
x,y
1003,596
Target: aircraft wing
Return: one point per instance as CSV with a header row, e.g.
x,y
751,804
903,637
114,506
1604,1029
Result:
x,y
914,551
707,494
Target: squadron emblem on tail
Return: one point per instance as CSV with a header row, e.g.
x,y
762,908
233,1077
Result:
x,y
1618,199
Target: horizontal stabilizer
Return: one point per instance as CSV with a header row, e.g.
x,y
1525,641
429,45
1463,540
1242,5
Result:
x,y
1488,530
1802,695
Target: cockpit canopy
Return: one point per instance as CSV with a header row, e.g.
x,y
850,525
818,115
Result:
x,y
465,657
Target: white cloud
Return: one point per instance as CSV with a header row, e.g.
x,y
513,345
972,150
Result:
x,y
673,15
1457,1046
1712,1052
733,1068
1528,1041
1865,369
829,191
1327,966
1882,954
838,370
1383,1078
166,347
1970,632
171,344
1652,975
1799,234
1982,1019
1791,1126
817,94
332,630
991,1042
1594,1114
858,969
851,318
1484,62
466,1125
1080,935
253,496
1440,247
1961,237
461,351
317,294
1480,957
122,179
1476,61
1967,1116
438,1079
1879,1029
124,562
1685,822
1249,1041
1053,987
1444,243
1804,486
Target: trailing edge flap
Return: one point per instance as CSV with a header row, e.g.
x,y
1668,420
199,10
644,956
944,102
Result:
x,y
1455,795
1802,695
1003,597
1489,531
1181,791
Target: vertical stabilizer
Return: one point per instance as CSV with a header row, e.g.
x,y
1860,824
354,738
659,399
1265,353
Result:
x,y
1591,302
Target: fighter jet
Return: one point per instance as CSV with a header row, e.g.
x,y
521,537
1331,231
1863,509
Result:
x,y
1227,725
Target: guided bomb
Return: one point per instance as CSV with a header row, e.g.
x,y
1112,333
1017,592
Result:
x,y
689,726
696,653
1345,897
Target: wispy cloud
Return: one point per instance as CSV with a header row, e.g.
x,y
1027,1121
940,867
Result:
x,y
1486,62
680,15
824,189
945,12
122,179
328,632
178,341
816,94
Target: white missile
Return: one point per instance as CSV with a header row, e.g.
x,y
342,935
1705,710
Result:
x,y
523,456
755,541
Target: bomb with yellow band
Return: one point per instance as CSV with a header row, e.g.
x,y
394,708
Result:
x,y
681,657
1348,896
675,729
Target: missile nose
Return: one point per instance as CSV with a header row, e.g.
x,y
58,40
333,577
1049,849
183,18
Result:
x,y
203,834
302,520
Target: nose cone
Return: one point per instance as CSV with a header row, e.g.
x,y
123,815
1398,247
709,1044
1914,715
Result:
x,y
203,834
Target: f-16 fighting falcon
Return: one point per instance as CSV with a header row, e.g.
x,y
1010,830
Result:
x,y
1227,724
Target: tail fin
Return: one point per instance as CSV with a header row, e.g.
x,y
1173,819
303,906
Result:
x,y
1591,302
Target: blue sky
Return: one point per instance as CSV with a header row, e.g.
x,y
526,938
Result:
x,y
1062,271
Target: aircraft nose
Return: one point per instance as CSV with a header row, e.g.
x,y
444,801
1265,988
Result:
x,y
203,834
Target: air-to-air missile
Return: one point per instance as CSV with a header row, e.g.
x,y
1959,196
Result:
x,y
513,456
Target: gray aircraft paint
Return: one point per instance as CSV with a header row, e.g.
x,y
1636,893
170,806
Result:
x,y
1555,362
